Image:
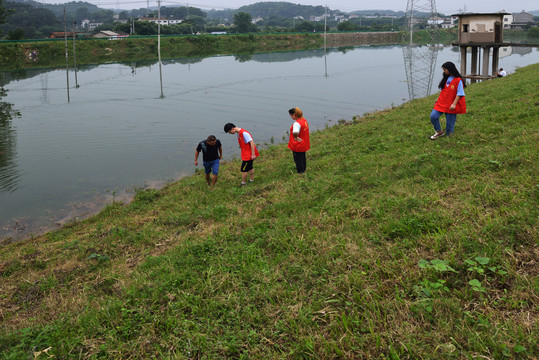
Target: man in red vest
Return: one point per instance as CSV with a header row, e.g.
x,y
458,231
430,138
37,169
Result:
x,y
249,152
299,141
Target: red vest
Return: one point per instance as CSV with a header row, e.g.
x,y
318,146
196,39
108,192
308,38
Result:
x,y
447,96
305,143
245,148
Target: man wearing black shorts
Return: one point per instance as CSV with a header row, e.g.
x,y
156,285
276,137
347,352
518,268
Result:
x,y
249,152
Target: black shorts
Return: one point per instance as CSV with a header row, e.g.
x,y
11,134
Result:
x,y
246,166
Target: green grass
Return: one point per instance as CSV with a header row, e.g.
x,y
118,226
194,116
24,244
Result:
x,y
392,246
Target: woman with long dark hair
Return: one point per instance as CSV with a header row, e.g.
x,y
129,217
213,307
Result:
x,y
450,102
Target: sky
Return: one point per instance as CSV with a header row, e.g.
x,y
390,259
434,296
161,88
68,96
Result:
x,y
446,7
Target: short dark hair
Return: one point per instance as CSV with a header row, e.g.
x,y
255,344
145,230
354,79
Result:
x,y
229,127
292,111
211,138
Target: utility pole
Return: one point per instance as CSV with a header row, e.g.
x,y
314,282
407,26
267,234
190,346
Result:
x,y
414,22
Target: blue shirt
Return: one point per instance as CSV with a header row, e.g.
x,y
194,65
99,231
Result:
x,y
460,88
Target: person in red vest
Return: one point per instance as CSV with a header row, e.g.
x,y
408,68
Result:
x,y
450,102
249,152
299,141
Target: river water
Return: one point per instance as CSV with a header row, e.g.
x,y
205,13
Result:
x,y
61,160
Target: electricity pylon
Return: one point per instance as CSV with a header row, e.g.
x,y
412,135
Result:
x,y
420,60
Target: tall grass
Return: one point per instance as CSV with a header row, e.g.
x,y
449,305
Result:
x,y
392,246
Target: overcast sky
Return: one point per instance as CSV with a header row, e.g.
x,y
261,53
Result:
x,y
447,7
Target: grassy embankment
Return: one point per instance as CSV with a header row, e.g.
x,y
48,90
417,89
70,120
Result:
x,y
392,247
95,51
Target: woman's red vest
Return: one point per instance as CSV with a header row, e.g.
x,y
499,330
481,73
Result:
x,y
305,143
447,96
245,148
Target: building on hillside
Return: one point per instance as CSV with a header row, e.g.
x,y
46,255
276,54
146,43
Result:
x,y
507,21
161,21
522,20
87,24
256,20
111,35
448,24
435,21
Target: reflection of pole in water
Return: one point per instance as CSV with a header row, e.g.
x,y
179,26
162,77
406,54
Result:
x,y
325,49
44,79
420,63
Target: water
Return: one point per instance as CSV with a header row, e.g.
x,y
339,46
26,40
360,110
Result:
x,y
62,160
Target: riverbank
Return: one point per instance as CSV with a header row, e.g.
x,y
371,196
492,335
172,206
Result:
x,y
51,53
392,246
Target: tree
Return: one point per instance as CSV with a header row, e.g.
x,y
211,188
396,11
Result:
x,y
242,21
305,26
346,26
16,34
4,13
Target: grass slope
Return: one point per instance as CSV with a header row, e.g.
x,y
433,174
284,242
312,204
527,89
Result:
x,y
392,247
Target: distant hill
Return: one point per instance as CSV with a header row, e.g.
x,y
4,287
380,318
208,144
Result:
x,y
278,9
378,12
58,9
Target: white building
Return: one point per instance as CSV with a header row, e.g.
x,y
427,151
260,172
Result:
x,y
161,21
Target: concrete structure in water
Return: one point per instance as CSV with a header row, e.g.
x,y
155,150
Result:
x,y
480,31
483,31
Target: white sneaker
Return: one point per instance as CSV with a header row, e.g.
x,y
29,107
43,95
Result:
x,y
437,135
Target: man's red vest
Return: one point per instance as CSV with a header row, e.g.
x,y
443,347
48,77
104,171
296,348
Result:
x,y
305,143
447,96
245,148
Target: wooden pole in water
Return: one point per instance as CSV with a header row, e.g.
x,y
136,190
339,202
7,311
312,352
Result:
x,y
75,56
67,60
159,44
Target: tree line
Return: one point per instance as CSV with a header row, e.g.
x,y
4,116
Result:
x,y
32,20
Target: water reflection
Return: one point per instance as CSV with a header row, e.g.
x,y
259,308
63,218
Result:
x,y
420,64
8,167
